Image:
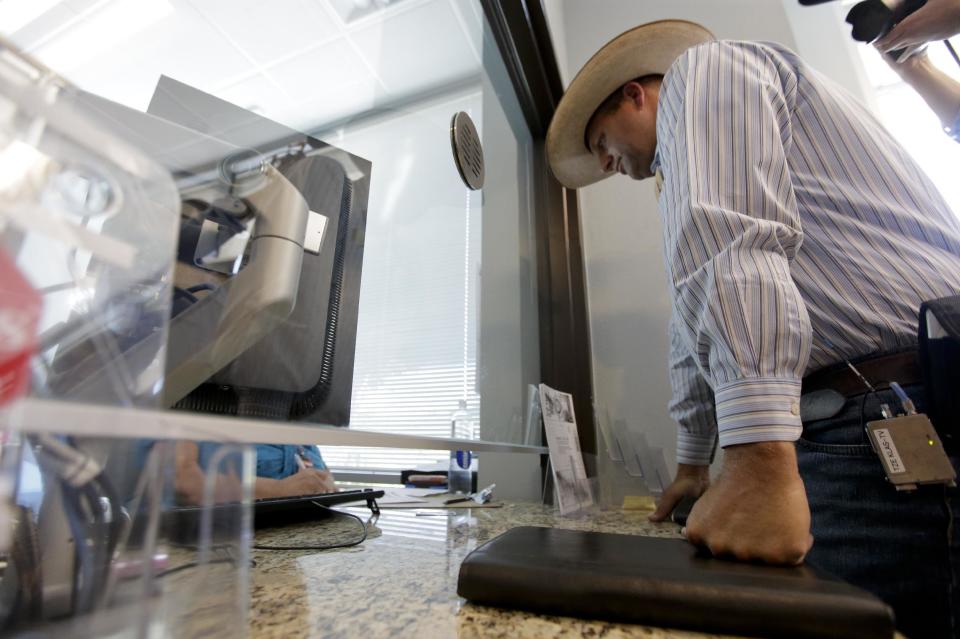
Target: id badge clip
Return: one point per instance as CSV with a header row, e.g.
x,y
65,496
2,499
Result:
x,y
909,447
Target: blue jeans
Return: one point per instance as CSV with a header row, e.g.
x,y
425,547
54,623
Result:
x,y
902,546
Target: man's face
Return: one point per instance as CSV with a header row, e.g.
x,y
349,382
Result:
x,y
625,140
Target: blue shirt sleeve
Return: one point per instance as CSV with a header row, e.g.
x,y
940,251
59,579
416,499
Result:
x,y
314,456
275,461
278,461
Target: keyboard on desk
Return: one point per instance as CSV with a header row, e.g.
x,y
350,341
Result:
x,y
184,521
271,505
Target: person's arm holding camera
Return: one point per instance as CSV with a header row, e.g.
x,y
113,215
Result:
x,y
936,20
938,90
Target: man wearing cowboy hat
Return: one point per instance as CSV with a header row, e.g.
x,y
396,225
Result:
x,y
798,235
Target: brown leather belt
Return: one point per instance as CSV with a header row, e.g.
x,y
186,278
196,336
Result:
x,y
902,367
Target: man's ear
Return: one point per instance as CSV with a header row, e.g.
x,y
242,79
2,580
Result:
x,y
635,93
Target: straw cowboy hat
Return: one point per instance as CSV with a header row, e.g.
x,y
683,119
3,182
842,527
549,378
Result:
x,y
645,50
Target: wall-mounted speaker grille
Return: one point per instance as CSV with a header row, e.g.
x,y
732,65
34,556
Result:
x,y
467,150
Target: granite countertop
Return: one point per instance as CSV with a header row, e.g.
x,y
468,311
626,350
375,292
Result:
x,y
401,582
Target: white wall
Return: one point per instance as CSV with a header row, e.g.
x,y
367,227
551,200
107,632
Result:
x,y
556,22
822,39
626,281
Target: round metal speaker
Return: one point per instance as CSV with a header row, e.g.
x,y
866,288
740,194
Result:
x,y
467,150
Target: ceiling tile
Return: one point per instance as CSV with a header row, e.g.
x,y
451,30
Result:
x,y
329,71
35,31
268,31
327,81
181,45
320,112
258,94
395,48
80,5
353,11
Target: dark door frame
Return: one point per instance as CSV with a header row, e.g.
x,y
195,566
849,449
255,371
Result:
x,y
519,28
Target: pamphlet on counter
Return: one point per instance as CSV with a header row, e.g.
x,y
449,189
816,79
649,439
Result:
x,y
569,474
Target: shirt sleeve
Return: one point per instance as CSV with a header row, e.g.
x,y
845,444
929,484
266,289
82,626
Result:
x,y
732,229
691,406
275,461
315,457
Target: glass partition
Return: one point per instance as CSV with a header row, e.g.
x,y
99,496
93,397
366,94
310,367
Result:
x,y
446,340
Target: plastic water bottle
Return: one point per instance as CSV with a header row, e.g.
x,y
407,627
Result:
x,y
460,474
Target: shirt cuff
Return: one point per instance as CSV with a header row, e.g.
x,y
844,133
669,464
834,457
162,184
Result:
x,y
695,449
758,409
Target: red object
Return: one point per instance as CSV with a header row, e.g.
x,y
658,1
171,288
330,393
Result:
x,y
20,308
427,480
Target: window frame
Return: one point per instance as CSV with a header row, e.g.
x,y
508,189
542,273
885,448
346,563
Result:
x,y
521,32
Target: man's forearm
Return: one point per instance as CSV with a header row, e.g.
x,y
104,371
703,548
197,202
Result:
x,y
266,487
939,91
772,456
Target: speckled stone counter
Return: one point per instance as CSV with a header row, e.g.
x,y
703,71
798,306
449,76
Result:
x,y
401,582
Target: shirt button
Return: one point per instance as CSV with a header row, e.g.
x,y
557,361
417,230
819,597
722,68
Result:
x,y
794,408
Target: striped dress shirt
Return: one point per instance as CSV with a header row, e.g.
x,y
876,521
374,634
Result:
x,y
797,233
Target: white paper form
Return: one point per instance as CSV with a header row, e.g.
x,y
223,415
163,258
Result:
x,y
566,460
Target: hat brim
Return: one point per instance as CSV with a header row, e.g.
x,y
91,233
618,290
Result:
x,y
649,49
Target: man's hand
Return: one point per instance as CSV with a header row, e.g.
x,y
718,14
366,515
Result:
x,y
691,481
936,20
909,67
757,510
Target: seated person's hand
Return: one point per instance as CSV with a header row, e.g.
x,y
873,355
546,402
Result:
x,y
306,481
190,481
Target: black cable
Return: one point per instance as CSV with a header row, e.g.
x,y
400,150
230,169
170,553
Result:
x,y
185,293
85,504
195,564
308,401
99,538
108,528
350,544
863,405
952,52
115,525
76,521
203,286
108,533
82,558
